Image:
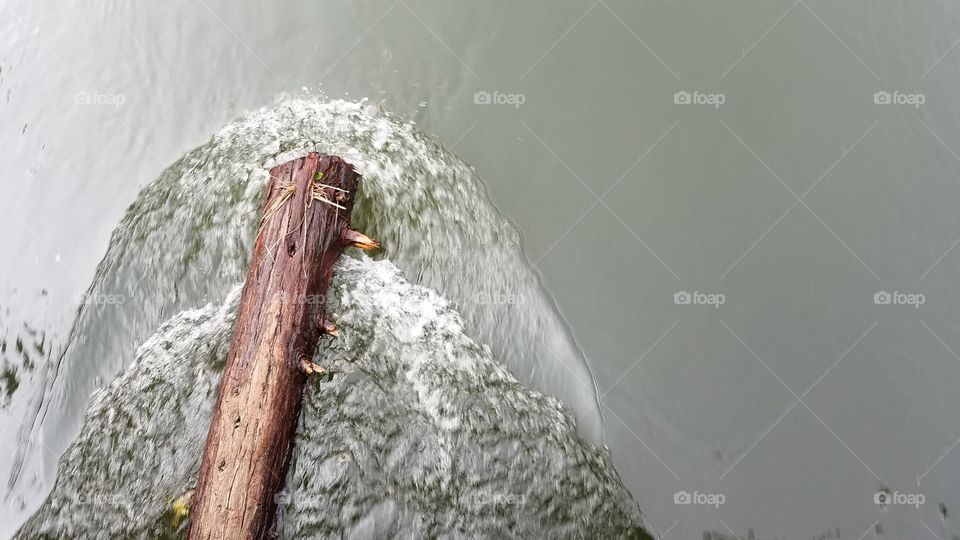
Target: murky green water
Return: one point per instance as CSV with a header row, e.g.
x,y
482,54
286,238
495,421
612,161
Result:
x,y
796,399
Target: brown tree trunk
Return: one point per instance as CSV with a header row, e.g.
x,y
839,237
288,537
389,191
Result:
x,y
280,319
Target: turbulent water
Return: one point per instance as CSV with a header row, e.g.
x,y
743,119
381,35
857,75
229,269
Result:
x,y
185,243
417,432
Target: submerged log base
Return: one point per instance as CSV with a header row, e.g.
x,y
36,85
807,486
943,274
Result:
x,y
305,229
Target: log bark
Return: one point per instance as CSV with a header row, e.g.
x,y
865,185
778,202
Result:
x,y
279,322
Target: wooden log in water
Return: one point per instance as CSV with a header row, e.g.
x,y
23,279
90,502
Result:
x,y
281,317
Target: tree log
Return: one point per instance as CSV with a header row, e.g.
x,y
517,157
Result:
x,y
281,317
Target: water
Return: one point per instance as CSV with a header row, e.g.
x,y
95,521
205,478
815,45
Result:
x,y
187,238
418,432
693,408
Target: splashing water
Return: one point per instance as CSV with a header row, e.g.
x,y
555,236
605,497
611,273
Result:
x,y
186,241
418,433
